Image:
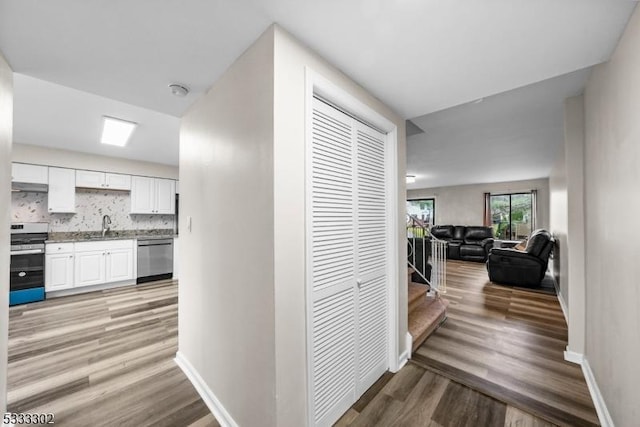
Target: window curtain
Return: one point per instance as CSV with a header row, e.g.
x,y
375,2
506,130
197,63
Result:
x,y
487,209
534,208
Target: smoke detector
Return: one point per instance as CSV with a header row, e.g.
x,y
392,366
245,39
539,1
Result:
x,y
178,90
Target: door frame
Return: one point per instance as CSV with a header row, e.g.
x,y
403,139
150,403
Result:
x,y
316,84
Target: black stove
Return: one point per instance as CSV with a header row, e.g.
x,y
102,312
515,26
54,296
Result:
x,y
27,262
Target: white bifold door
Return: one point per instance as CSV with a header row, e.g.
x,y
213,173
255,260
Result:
x,y
347,261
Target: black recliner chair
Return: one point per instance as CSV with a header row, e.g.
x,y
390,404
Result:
x,y
522,268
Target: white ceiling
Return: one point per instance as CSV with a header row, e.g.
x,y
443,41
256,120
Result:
x,y
59,117
506,137
418,56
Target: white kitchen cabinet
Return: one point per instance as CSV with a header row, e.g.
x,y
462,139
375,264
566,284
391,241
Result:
x,y
119,265
101,262
90,268
152,195
89,179
102,180
30,174
142,195
58,271
177,187
116,181
165,196
62,190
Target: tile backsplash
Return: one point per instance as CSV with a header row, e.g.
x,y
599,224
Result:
x,y
91,205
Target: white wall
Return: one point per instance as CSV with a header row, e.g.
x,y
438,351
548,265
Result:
x,y
291,58
6,132
558,222
226,295
242,306
24,153
464,204
567,216
574,155
612,183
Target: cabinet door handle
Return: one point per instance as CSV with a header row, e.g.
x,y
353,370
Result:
x,y
70,256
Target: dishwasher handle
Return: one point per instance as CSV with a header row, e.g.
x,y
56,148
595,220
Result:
x,y
158,242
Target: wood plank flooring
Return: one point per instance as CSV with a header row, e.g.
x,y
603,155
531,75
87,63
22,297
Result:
x,y
418,397
508,343
103,359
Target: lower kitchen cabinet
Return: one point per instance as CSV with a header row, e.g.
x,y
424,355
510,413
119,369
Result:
x,y
119,265
90,268
58,271
89,264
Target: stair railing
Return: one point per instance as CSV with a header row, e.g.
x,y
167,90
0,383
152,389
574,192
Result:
x,y
418,235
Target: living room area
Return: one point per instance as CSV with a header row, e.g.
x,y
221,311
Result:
x,y
480,178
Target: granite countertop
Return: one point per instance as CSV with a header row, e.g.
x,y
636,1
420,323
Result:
x,y
94,236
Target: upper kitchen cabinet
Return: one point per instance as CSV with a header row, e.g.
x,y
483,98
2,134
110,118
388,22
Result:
x,y
152,195
102,180
62,190
165,196
31,174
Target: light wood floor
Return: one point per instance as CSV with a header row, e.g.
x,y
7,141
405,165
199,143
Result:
x,y
508,343
106,359
103,359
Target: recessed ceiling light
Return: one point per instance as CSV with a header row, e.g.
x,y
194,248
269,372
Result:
x,y
411,179
116,131
178,90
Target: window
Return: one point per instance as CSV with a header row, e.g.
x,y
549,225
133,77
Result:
x,y
423,209
512,215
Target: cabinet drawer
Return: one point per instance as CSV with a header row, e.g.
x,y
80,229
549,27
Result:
x,y
59,248
103,245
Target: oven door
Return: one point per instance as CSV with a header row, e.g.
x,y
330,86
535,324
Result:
x,y
26,271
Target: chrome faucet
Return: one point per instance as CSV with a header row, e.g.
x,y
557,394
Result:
x,y
106,222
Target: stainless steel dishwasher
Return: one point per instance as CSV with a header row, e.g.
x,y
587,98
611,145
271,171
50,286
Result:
x,y
155,260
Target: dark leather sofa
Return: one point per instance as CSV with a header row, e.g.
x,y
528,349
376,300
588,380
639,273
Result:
x,y
465,243
522,268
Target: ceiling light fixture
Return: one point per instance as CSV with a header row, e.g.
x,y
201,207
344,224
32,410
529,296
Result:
x,y
178,90
116,131
411,179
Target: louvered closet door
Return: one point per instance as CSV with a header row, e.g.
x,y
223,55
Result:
x,y
333,321
348,313
371,249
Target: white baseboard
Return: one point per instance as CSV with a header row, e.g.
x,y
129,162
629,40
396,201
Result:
x,y
212,402
406,354
573,357
601,407
563,305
